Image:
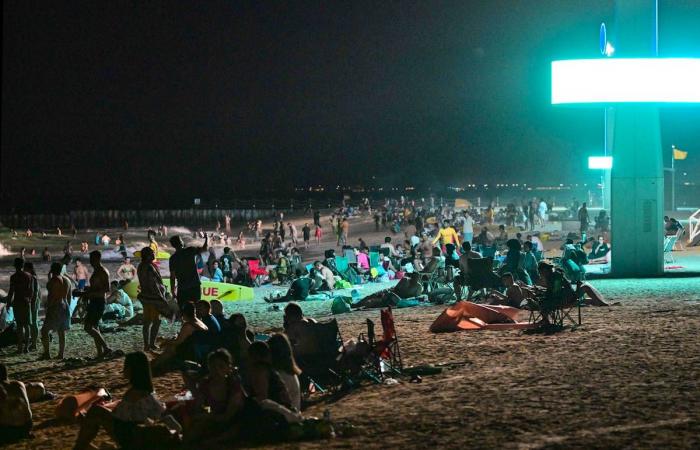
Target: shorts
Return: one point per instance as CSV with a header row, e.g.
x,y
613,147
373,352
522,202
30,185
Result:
x,y
150,313
57,318
95,309
191,294
82,284
21,310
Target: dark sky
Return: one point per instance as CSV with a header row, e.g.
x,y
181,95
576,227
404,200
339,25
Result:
x,y
109,103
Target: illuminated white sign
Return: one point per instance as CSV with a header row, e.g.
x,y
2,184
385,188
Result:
x,y
619,80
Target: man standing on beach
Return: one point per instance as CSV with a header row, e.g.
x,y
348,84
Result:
x,y
344,228
317,217
184,279
20,298
80,274
306,232
95,294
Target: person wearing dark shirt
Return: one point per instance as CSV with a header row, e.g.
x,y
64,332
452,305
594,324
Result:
x,y
298,291
226,265
211,337
306,232
599,249
184,278
20,298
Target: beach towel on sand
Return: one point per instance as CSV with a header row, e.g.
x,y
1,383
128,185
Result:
x,y
470,316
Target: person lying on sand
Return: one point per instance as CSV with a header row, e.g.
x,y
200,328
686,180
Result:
x,y
15,412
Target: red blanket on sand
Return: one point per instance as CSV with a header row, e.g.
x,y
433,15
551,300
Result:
x,y
471,316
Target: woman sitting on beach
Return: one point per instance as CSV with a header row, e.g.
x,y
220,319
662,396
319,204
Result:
x,y
221,392
285,365
183,346
138,405
15,412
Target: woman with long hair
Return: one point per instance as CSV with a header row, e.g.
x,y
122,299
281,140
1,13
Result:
x,y
137,406
286,366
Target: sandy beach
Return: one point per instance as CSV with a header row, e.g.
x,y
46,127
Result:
x,y
626,378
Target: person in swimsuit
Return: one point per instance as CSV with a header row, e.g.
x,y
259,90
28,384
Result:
x,y
20,298
126,271
95,294
57,311
80,274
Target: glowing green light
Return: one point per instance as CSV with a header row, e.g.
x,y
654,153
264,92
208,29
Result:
x,y
616,80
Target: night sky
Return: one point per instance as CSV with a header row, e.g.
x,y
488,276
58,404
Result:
x,y
113,103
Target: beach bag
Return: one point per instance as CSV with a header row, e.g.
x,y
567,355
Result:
x,y
7,317
339,306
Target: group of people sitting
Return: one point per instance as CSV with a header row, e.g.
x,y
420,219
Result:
x,y
242,388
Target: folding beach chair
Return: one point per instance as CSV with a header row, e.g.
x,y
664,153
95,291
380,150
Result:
x,y
321,371
385,354
255,271
429,275
350,255
554,307
481,277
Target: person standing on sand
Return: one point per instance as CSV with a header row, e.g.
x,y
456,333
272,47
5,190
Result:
x,y
33,306
19,298
80,274
306,232
57,311
126,271
318,234
95,294
317,217
293,233
152,296
184,278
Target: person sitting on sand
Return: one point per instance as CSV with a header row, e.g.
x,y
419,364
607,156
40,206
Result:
x,y
298,329
409,286
237,339
283,362
217,274
298,291
549,277
15,412
182,346
138,405
212,337
217,310
262,380
57,311
514,295
221,393
118,303
600,252
326,274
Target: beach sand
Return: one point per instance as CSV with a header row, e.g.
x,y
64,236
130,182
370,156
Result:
x,y
626,378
